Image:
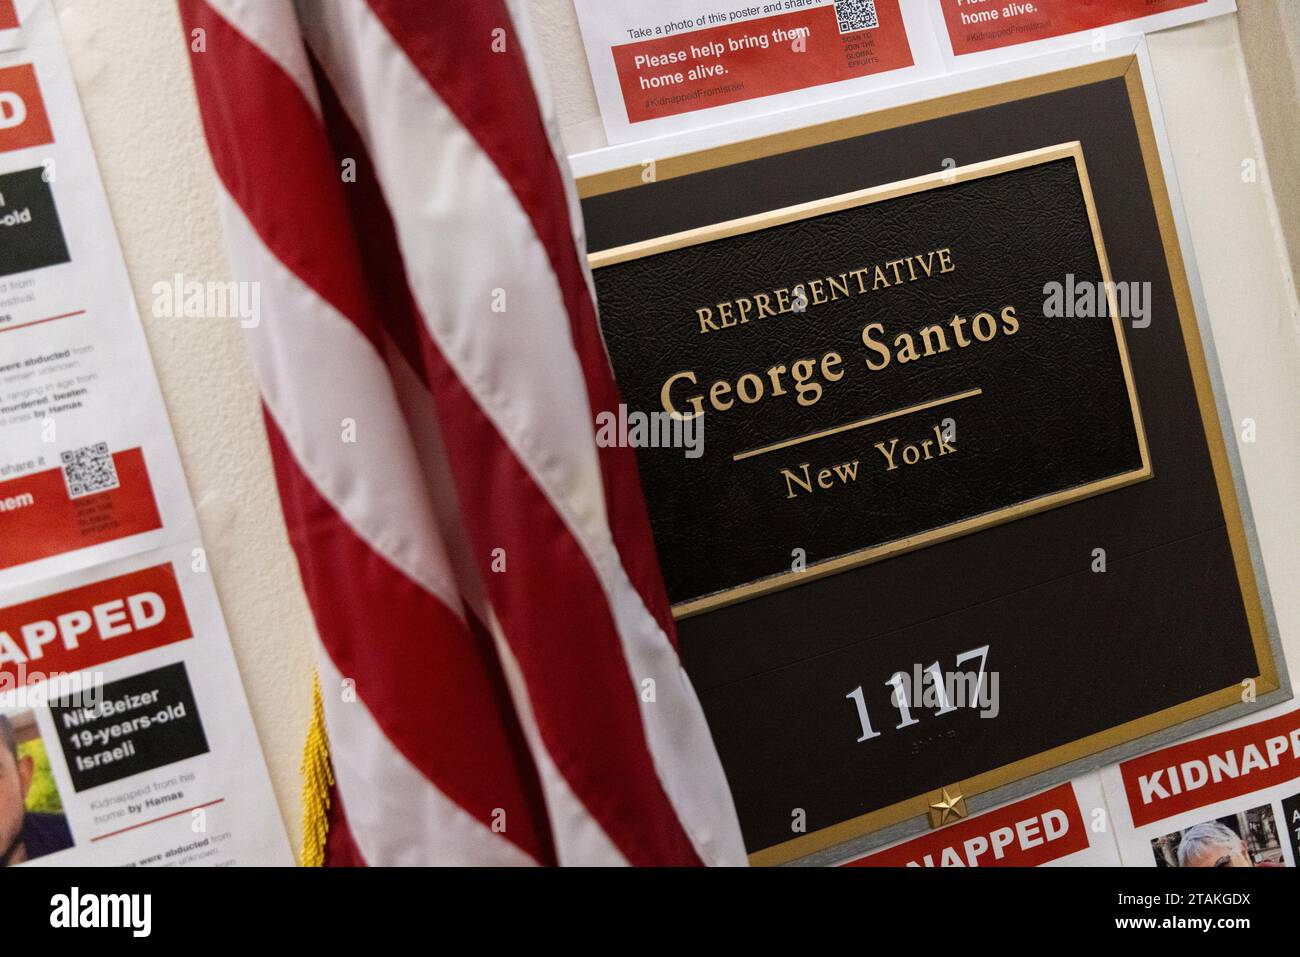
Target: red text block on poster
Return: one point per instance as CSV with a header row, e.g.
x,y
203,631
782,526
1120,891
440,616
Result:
x,y
754,58
8,15
23,120
1199,773
978,25
1028,833
39,517
83,627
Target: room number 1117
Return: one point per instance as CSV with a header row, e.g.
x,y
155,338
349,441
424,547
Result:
x,y
943,693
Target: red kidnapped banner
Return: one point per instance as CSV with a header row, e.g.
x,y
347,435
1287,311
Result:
x,y
38,518
741,61
23,121
978,25
88,626
1203,772
1028,833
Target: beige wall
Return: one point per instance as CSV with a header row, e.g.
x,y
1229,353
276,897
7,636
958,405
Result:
x,y
1270,41
130,64
132,73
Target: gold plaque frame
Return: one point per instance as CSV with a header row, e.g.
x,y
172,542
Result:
x,y
1128,69
866,197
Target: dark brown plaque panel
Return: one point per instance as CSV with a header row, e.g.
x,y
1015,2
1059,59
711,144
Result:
x,y
1085,662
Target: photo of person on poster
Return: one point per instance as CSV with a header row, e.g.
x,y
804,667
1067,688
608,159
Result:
x,y
1247,839
24,834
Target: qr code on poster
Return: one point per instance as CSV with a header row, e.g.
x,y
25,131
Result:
x,y
88,470
856,15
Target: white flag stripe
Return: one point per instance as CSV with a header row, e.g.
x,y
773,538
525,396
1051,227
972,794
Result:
x,y
584,842
318,372
519,365
272,26
546,102
540,406
396,816
405,521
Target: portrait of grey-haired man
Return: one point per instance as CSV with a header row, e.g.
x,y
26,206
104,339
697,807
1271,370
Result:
x,y
1213,844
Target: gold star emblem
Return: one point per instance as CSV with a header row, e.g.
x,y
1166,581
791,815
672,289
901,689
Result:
x,y
951,804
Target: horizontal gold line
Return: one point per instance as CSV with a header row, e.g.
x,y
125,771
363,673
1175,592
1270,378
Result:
x,y
813,436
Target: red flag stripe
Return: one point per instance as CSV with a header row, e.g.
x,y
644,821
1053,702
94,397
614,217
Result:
x,y
452,281
643,825
549,584
487,91
340,849
515,405
582,696
396,817
372,224
522,370
458,736
282,173
580,838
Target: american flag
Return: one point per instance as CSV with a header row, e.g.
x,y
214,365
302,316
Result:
x,y
497,657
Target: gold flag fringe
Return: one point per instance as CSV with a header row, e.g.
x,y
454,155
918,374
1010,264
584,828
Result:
x,y
317,780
